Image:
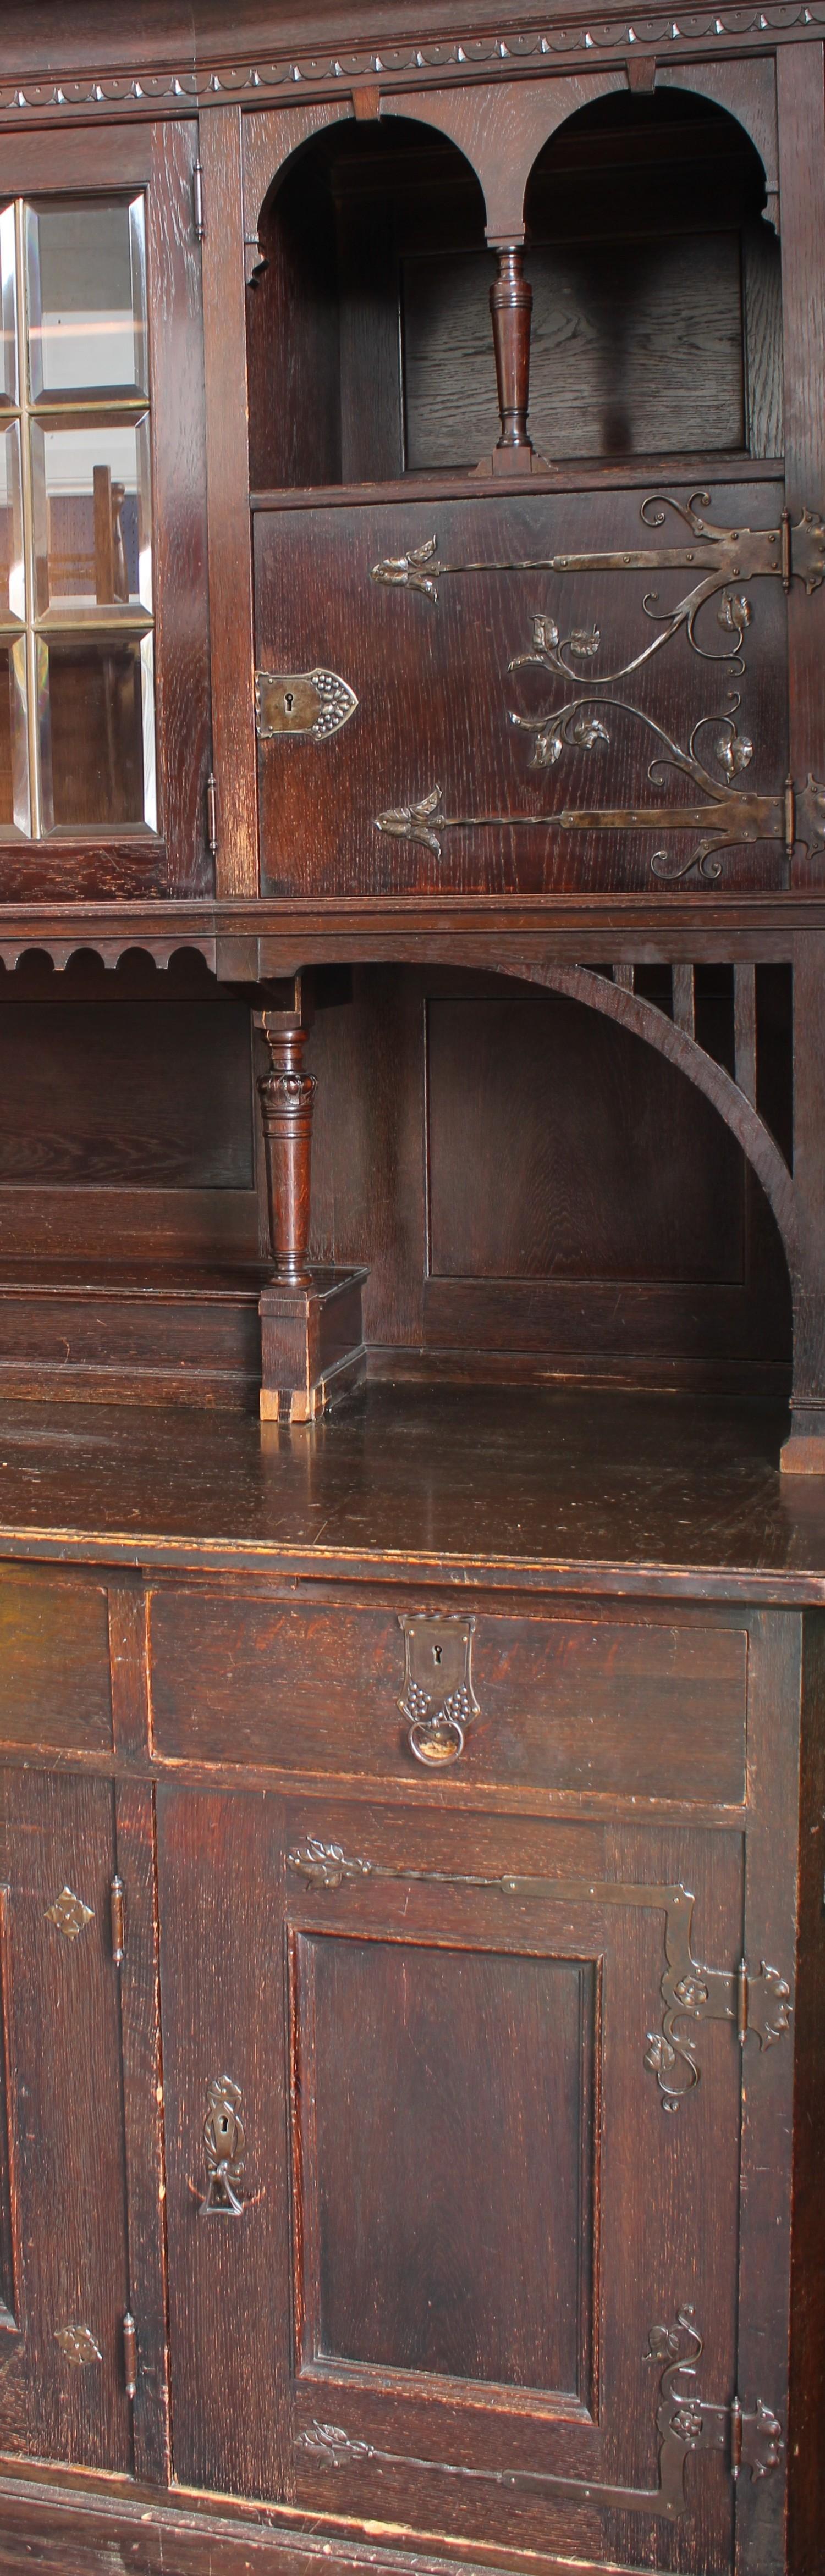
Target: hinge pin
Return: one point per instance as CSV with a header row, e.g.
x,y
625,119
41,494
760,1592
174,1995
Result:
x,y
742,2001
787,561
197,201
130,2355
116,1900
212,813
735,2438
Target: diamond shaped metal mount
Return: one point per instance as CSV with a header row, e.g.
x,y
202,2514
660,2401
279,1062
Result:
x,y
78,2345
69,1914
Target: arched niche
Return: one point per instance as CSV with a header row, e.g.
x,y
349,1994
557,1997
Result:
x,y
656,276
645,1019
353,226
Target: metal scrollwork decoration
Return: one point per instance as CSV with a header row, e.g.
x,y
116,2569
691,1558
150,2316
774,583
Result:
x,y
223,2139
719,558
722,814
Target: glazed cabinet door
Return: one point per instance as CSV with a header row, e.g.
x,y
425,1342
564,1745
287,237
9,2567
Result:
x,y
63,2227
499,2258
104,681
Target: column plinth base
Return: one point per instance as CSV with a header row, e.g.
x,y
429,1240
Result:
x,y
312,1343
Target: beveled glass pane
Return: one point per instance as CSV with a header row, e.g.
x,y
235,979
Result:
x,y
8,307
85,280
12,582
92,517
96,733
14,757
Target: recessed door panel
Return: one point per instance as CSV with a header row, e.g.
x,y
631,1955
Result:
x,y
449,2173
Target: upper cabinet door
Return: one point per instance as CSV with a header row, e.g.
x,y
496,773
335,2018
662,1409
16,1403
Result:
x,y
104,686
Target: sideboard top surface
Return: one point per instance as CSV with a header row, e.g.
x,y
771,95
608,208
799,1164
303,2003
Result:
x,y
554,1489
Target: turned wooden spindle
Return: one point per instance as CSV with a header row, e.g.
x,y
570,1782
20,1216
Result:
x,y
511,305
287,1096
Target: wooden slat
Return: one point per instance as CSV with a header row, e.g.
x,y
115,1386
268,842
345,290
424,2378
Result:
x,y
684,999
744,1030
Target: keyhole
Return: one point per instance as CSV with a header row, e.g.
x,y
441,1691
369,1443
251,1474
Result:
x,y
289,701
223,2125
436,1654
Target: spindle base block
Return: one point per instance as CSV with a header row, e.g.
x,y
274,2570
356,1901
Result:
x,y
312,1343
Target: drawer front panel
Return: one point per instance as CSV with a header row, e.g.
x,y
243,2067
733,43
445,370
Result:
x,y
54,1663
479,696
648,1711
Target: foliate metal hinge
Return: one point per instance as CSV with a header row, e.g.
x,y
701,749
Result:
x,y
197,201
130,2355
117,1907
757,2003
751,2440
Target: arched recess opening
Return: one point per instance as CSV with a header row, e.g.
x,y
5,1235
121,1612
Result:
x,y
346,380
598,1197
657,320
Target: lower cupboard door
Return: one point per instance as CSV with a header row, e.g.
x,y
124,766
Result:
x,y
515,2254
452,2216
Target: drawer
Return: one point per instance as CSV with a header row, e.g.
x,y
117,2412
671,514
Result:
x,y
54,1663
562,1704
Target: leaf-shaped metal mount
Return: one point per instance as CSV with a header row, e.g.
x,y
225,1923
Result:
x,y
78,2346
414,822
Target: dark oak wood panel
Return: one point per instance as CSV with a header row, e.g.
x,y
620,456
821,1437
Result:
x,y
55,1662
406,2267
126,1094
548,1203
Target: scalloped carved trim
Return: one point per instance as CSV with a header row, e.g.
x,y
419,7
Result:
x,y
536,49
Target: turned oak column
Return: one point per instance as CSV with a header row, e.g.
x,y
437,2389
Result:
x,y
511,306
287,1097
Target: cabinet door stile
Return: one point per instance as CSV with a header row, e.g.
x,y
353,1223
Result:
x,y
65,2117
219,1877
142,2105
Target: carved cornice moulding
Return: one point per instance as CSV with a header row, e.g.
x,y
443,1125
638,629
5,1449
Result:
x,y
579,37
